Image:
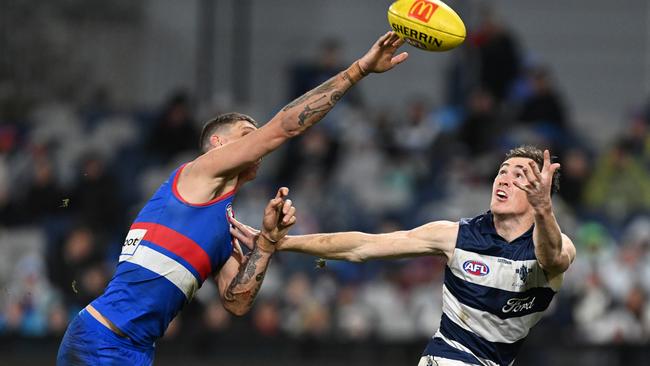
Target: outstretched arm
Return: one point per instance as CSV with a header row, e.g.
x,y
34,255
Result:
x,y
554,251
239,282
434,238
300,114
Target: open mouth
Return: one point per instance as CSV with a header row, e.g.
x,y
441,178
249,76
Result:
x,y
501,195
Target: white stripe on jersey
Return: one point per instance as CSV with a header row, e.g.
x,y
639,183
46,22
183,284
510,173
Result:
x,y
485,325
503,272
462,348
165,266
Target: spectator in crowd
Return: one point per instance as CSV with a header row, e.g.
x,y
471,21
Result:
x,y
498,55
544,105
482,123
620,184
95,197
175,130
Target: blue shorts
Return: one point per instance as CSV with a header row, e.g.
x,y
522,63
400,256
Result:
x,y
89,342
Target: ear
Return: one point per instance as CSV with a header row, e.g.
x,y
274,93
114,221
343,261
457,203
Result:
x,y
216,140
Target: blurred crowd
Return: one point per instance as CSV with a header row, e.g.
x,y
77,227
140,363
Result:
x,y
73,177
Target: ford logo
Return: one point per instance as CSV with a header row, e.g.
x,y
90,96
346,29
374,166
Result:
x,y
476,268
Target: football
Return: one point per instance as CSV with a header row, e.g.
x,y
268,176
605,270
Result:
x,y
430,25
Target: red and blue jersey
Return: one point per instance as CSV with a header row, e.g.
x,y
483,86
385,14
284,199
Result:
x,y
171,248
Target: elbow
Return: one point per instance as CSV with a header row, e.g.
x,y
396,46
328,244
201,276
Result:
x,y
355,256
289,129
554,265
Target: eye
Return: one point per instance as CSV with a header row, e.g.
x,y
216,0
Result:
x,y
502,172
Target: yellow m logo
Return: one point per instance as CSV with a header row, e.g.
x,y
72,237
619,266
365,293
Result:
x,y
422,10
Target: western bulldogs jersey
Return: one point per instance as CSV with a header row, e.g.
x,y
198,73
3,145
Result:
x,y
493,293
171,248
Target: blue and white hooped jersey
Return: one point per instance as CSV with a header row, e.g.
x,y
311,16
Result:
x,y
493,293
171,248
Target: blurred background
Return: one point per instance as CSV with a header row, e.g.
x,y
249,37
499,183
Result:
x,y
99,101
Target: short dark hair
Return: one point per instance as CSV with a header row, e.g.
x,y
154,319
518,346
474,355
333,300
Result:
x,y
537,155
218,122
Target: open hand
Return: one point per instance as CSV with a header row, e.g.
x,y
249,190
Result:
x,y
539,184
381,57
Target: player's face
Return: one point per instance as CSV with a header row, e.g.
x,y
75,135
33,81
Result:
x,y
507,199
239,130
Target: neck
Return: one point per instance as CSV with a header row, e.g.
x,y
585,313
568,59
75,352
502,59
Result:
x,y
510,227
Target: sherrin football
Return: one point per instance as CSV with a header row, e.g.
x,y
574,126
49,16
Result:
x,y
430,25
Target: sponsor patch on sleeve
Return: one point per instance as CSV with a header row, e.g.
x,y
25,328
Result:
x,y
132,241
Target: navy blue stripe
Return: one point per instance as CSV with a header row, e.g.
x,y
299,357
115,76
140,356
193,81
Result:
x,y
473,238
438,347
494,300
501,353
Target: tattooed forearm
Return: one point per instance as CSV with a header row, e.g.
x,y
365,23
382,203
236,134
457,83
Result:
x,y
251,265
247,282
257,287
311,107
321,89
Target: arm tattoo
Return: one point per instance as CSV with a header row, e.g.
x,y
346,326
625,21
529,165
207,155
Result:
x,y
316,103
242,288
321,89
347,77
318,106
313,108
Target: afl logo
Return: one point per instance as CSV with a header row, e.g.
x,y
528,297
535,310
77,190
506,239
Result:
x,y
476,268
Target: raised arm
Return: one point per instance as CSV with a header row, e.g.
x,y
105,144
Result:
x,y
302,113
554,251
239,282
434,238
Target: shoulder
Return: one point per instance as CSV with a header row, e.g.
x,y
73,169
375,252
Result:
x,y
484,219
437,236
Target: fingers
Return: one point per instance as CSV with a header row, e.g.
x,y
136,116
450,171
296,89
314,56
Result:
x,y
398,43
521,186
278,201
381,41
282,192
390,40
532,181
291,221
553,168
547,159
286,207
253,230
233,221
236,248
535,169
396,60
239,237
279,198
290,215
